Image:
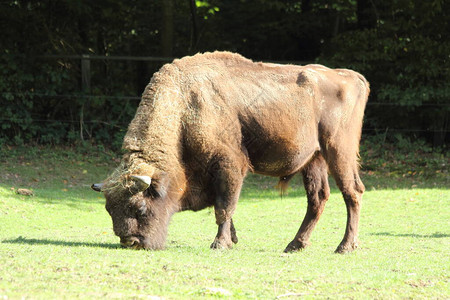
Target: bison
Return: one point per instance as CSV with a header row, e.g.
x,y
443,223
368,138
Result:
x,y
205,121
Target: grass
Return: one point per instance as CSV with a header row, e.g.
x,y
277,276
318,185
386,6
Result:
x,y
59,243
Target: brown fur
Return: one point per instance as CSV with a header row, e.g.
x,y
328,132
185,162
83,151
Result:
x,y
205,121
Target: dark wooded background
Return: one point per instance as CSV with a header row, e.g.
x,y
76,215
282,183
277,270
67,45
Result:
x,y
73,70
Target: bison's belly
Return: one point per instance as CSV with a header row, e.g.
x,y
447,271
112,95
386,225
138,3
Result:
x,y
276,160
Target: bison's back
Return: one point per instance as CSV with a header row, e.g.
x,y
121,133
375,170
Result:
x,y
279,114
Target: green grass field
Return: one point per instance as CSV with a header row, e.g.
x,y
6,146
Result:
x,y
59,243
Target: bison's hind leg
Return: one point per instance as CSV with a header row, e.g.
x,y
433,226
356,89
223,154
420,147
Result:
x,y
343,164
315,180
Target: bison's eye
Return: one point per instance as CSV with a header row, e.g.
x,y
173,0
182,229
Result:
x,y
151,192
156,191
142,208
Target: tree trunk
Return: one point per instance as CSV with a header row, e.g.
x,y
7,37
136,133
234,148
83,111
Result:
x,y
366,14
306,6
167,28
194,35
440,126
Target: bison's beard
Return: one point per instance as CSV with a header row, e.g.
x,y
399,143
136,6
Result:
x,y
156,239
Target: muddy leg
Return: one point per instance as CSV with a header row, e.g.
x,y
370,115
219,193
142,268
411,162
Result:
x,y
228,185
315,179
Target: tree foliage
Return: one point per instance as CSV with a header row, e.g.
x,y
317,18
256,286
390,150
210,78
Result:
x,y
401,46
405,56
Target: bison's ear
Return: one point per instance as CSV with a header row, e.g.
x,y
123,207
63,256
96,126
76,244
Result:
x,y
141,182
159,186
97,187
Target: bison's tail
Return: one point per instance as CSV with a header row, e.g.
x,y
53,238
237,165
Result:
x,y
283,183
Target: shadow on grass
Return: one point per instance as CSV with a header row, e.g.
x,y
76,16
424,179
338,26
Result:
x,y
414,235
22,240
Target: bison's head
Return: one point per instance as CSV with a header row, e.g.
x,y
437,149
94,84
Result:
x,y
140,204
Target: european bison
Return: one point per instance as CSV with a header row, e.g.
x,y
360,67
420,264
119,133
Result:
x,y
205,121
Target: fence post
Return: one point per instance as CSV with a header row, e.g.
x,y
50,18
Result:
x,y
85,86
85,73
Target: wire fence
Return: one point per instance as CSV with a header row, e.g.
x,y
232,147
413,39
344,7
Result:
x,y
85,89
138,98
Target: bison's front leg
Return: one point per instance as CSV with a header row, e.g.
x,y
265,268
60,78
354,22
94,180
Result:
x,y
227,184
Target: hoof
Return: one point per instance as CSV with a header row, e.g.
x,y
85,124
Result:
x,y
221,244
296,245
346,248
234,238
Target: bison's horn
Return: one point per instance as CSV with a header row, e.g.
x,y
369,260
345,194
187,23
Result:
x,y
142,181
97,187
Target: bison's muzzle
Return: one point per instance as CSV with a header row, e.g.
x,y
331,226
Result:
x,y
131,242
140,242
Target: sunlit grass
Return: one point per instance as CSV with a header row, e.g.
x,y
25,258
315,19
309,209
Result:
x,y
60,243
